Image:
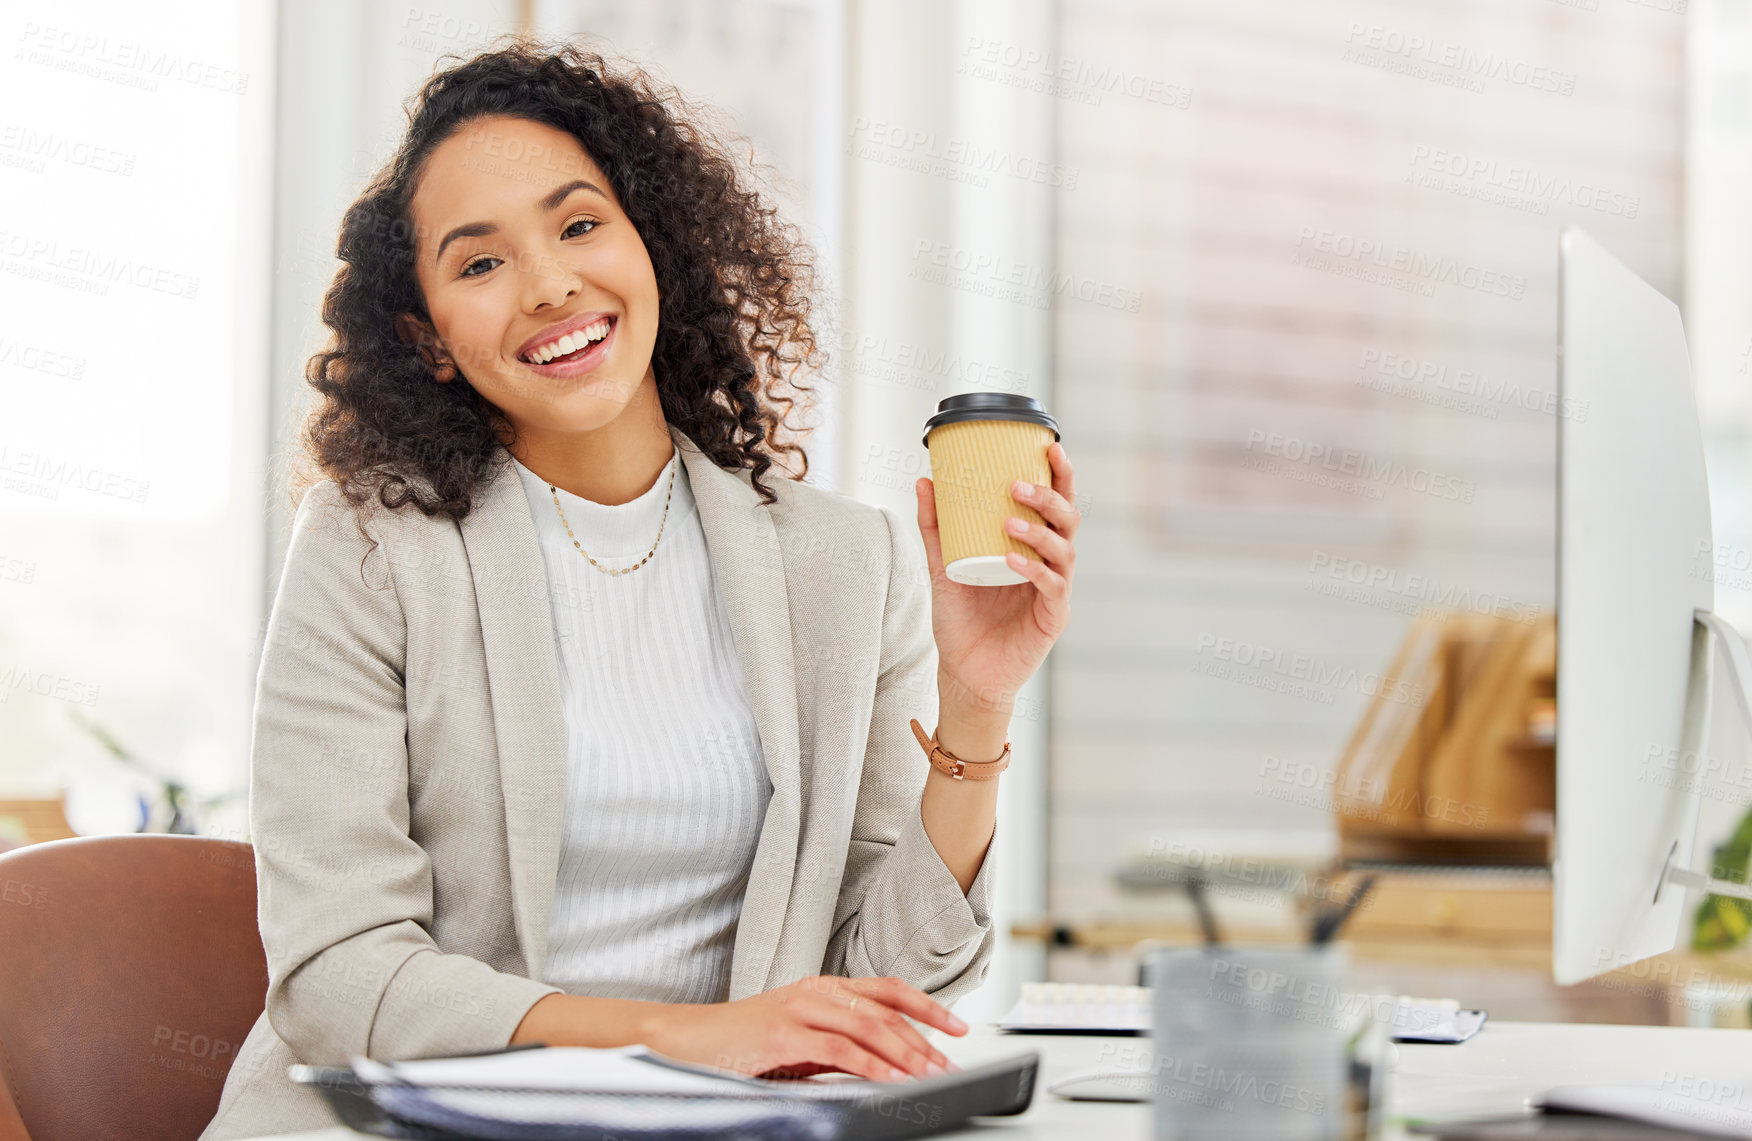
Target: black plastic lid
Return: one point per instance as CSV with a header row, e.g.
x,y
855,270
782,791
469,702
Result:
x,y
988,406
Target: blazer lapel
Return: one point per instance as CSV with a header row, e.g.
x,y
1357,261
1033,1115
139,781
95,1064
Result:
x,y
524,688
529,720
746,562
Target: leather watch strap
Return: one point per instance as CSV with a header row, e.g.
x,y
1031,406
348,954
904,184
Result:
x,y
948,763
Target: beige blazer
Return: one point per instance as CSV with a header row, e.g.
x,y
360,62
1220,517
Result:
x,y
408,772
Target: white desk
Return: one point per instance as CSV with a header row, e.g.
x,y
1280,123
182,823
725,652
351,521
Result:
x,y
1495,1073
1510,1062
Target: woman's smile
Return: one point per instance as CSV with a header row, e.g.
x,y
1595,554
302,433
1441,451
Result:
x,y
573,347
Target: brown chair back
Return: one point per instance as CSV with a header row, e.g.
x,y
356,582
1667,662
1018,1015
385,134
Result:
x,y
131,969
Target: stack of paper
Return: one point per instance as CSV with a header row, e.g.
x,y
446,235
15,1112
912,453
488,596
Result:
x,y
550,1094
1686,1103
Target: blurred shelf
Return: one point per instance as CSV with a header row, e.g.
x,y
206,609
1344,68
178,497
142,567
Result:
x,y
32,822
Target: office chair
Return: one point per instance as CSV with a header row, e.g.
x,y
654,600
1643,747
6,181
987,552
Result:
x,y
131,970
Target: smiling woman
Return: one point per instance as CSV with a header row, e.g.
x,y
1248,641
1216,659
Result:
x,y
566,335
497,188
503,295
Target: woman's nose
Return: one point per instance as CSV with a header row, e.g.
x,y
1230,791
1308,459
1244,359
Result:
x,y
549,281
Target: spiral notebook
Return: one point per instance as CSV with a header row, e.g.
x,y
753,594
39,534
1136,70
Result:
x,y
564,1093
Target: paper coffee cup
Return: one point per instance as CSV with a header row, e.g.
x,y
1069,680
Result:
x,y
980,443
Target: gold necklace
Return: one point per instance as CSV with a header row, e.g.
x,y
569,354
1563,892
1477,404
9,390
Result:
x,y
648,554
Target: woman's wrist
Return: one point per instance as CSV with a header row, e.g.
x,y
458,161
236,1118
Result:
x,y
973,739
656,1025
582,1020
984,701
969,725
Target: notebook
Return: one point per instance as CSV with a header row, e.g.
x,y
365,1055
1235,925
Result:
x,y
573,1093
1678,1110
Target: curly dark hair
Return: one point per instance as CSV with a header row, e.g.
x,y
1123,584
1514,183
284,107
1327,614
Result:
x,y
734,280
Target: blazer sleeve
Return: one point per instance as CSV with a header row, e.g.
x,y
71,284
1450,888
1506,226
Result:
x,y
344,895
900,911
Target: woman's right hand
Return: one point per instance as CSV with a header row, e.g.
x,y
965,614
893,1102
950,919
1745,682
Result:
x,y
815,1025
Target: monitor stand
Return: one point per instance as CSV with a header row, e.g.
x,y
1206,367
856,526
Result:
x,y
1740,676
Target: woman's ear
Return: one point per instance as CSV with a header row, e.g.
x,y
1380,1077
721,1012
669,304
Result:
x,y
416,332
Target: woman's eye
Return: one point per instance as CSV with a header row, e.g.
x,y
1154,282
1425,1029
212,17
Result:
x,y
576,230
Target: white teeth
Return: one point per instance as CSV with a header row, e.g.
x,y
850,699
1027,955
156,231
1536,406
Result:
x,y
570,343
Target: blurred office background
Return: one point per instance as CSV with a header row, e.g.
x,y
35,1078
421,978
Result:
x,y
1209,237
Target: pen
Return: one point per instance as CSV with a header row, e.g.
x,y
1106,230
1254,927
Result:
x,y
1207,919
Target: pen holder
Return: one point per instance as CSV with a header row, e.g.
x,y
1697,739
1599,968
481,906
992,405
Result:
x,y
1263,1045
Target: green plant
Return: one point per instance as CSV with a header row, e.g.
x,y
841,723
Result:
x,y
1722,922
183,807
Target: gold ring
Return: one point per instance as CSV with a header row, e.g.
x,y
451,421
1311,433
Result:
x,y
852,1005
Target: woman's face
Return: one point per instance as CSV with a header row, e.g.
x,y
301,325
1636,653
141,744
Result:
x,y
540,289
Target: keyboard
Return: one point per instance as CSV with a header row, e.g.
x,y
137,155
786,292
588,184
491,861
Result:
x,y
1079,1008
1083,1008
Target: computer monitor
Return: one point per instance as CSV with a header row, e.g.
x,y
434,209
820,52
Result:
x,y
1635,628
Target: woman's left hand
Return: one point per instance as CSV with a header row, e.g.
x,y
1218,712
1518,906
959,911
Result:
x,y
991,639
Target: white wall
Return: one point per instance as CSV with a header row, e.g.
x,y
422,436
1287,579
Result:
x,y
1717,298
135,167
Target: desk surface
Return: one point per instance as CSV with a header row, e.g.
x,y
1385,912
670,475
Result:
x,y
1497,1072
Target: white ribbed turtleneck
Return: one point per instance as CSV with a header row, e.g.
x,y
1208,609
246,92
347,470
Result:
x,y
666,786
